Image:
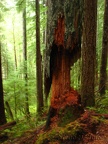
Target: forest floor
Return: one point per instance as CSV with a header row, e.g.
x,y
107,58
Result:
x,y
93,131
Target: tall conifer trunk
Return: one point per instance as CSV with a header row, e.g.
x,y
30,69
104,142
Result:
x,y
104,56
27,112
2,109
89,52
38,61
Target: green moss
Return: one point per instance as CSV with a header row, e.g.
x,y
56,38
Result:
x,y
106,121
60,134
66,116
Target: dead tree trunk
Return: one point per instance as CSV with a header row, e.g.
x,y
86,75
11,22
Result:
x,y
63,49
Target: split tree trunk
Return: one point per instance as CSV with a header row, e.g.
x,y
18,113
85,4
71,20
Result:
x,y
61,77
63,49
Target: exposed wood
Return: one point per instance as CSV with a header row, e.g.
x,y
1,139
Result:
x,y
63,33
59,31
60,76
63,49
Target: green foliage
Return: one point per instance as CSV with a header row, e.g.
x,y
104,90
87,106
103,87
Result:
x,y
20,5
21,127
14,90
13,82
102,104
76,75
3,7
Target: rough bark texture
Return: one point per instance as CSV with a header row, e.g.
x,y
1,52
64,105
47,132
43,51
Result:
x,y
14,46
63,49
25,64
104,56
89,52
2,109
38,60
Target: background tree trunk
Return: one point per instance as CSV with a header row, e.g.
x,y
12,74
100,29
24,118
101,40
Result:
x,y
14,46
89,52
104,56
15,68
38,61
2,109
25,64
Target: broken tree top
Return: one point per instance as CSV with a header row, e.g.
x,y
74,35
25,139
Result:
x,y
63,35
64,22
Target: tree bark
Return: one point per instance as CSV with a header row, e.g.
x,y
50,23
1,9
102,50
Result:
x,y
2,109
38,61
15,69
14,45
89,53
27,112
104,56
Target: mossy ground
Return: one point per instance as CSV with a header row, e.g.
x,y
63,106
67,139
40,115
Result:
x,y
72,132
61,134
90,128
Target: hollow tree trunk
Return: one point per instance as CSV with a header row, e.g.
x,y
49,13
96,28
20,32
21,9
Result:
x,y
63,49
61,77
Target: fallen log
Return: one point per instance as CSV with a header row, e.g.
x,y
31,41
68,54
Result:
x,y
7,125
